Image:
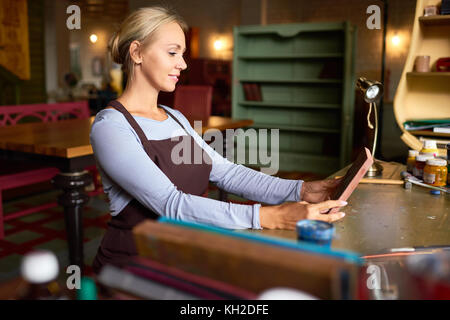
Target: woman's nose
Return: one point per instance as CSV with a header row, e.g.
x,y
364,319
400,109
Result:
x,y
182,65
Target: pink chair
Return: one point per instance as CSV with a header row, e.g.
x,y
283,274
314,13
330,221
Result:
x,y
194,101
44,112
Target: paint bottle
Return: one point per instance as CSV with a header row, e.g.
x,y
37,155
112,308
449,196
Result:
x,y
411,161
448,163
421,161
435,172
315,231
448,169
430,148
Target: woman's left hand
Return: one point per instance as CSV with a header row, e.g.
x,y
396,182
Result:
x,y
318,191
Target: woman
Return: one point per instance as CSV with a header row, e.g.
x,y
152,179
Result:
x,y
133,147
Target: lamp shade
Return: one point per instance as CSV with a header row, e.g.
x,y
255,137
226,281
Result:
x,y
371,89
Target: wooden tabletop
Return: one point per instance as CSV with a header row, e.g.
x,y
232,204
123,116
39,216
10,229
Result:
x,y
70,138
65,138
380,217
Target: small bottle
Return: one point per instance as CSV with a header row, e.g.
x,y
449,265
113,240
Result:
x,y
435,172
448,175
448,163
411,161
421,160
430,148
39,269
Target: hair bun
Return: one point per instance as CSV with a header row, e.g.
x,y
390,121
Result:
x,y
114,48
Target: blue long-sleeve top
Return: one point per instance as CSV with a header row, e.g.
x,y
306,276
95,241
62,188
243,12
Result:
x,y
127,172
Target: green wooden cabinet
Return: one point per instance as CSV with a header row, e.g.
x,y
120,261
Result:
x,y
305,76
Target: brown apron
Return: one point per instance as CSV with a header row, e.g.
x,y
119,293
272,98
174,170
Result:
x,y
118,245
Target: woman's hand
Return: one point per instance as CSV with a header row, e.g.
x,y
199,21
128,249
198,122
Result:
x,y
318,191
286,215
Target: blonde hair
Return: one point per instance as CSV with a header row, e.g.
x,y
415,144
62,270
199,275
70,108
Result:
x,y
139,25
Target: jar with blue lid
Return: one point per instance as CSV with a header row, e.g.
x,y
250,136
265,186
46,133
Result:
x,y
315,231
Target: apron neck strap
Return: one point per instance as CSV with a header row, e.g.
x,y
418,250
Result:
x,y
119,107
176,120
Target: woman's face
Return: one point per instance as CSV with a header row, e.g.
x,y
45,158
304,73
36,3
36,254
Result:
x,y
162,59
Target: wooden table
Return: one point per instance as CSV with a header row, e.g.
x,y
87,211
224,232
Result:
x,y
380,217
65,144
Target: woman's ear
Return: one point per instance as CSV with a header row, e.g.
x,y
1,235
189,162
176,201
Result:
x,y
135,52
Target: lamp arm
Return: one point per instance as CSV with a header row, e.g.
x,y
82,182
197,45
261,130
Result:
x,y
376,129
369,124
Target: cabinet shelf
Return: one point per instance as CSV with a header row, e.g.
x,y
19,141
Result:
x,y
315,157
308,156
293,161
427,74
292,56
291,30
430,133
290,104
293,128
312,80
437,20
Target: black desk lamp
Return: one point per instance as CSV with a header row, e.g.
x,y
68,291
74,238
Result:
x,y
373,92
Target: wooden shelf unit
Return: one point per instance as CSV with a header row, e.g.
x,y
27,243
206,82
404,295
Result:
x,y
424,95
305,73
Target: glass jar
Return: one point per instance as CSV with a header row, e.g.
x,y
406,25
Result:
x,y
430,147
448,163
448,169
421,160
435,172
411,161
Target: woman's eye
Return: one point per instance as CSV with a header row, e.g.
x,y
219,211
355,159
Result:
x,y
172,53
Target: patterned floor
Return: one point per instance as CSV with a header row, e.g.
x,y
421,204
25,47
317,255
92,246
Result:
x,y
46,230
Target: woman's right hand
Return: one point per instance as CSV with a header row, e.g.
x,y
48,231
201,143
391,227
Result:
x,y
286,215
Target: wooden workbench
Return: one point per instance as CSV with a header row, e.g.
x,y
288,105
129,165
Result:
x,y
379,217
